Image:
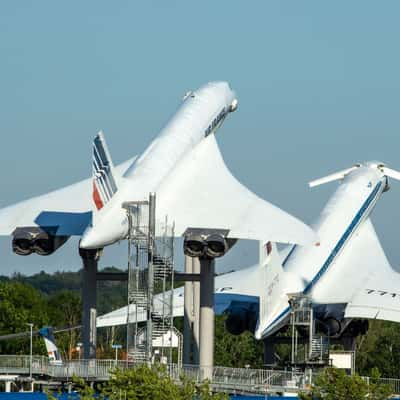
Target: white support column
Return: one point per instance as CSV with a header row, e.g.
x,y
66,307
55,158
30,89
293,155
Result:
x,y
207,267
150,276
196,313
188,314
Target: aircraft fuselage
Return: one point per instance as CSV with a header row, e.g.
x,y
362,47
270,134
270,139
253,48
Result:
x,y
201,114
310,270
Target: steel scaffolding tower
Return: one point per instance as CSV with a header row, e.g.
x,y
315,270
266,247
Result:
x,y
315,350
150,271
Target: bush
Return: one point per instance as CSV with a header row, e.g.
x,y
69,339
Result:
x,y
335,384
143,382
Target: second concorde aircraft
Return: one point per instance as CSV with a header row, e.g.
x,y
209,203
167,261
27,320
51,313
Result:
x,y
346,276
183,165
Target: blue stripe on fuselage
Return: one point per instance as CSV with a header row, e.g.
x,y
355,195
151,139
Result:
x,y
334,252
344,238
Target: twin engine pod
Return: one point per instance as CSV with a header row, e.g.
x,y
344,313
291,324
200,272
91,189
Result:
x,y
206,243
28,240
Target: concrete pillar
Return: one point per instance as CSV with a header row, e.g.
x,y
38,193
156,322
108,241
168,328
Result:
x,y
8,387
188,314
196,313
207,267
90,260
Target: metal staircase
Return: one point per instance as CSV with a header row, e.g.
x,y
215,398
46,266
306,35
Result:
x,y
150,278
319,349
308,348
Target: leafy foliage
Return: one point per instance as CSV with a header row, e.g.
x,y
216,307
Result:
x,y
236,351
143,383
64,309
380,348
19,305
54,300
334,384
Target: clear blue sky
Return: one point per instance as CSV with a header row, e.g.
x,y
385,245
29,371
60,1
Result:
x,y
318,87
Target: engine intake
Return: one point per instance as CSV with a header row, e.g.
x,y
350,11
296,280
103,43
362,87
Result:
x,y
194,245
207,243
28,240
217,246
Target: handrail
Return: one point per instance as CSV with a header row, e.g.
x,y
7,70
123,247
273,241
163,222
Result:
x,y
244,380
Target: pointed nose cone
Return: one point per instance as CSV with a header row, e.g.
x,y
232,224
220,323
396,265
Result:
x,y
91,239
96,237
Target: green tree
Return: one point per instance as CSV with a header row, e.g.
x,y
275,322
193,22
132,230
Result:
x,y
143,382
335,384
64,309
379,348
21,304
236,350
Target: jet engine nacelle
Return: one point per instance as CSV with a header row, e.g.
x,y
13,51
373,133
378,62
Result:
x,y
206,244
240,319
329,326
27,240
357,327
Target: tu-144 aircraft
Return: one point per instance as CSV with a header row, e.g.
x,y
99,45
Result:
x,y
346,275
183,165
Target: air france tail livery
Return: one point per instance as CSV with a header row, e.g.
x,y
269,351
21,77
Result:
x,y
346,275
183,165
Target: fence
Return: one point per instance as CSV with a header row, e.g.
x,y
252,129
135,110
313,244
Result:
x,y
232,380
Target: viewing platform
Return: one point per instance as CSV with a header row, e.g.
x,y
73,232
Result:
x,y
224,379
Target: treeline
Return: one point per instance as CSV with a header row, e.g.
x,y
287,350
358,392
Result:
x,y
55,300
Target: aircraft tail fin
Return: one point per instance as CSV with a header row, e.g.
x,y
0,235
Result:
x,y
273,283
51,347
104,178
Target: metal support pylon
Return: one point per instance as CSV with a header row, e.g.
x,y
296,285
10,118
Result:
x,y
315,351
150,270
90,258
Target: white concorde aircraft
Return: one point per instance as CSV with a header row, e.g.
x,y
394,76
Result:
x,y
183,165
346,275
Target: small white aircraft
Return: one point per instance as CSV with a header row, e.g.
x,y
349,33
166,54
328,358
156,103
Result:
x,y
346,275
183,165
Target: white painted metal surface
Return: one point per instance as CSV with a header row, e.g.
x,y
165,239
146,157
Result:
x,y
183,166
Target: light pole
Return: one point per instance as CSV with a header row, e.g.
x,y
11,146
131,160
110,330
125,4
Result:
x,y
79,348
116,347
30,351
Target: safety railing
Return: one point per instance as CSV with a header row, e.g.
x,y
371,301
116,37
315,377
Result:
x,y
22,365
240,379
226,379
392,382
88,369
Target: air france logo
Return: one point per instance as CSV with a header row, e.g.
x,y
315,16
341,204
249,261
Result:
x,y
216,121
